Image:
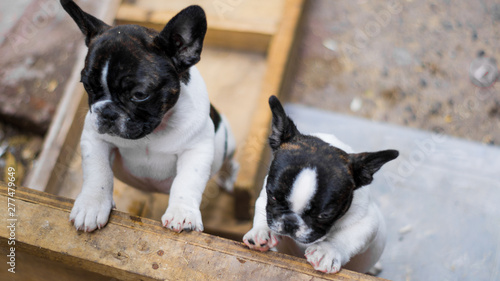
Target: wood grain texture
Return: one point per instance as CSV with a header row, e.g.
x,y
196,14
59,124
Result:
x,y
253,157
134,248
63,135
245,25
36,61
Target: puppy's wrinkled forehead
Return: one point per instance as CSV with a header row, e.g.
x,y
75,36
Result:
x,y
127,48
310,151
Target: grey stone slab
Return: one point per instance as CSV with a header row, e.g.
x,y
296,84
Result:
x,y
10,11
39,50
440,198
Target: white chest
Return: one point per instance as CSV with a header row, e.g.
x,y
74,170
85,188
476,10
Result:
x,y
145,168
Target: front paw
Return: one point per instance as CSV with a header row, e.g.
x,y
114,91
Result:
x,y
261,239
91,211
181,217
323,257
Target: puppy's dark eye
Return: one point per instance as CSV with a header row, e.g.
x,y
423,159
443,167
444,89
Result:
x,y
325,215
274,198
88,89
139,97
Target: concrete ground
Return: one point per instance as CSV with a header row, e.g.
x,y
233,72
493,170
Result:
x,y
406,63
439,197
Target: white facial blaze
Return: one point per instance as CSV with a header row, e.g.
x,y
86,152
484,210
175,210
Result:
x,y
303,190
104,79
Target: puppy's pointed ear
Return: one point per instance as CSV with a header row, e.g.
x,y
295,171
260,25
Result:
x,y
364,165
88,24
182,38
283,128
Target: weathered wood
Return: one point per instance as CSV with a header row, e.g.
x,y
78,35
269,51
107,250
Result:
x,y
235,83
245,25
253,157
38,55
66,126
134,248
35,62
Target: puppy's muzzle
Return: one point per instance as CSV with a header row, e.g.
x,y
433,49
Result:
x,y
106,118
290,223
107,114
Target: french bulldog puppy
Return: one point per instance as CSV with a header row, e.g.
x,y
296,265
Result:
x,y
315,200
150,122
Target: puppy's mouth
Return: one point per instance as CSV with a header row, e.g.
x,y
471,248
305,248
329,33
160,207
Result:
x,y
130,130
301,240
301,234
308,240
164,122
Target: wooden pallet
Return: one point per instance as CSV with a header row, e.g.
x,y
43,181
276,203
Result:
x,y
47,247
244,61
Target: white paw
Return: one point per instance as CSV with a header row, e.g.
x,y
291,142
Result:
x,y
261,239
91,211
181,217
324,258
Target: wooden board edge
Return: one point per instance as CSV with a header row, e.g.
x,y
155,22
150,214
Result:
x,y
46,236
62,122
132,13
254,154
244,40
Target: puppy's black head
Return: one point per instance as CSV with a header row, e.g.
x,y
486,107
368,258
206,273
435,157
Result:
x,y
310,183
133,74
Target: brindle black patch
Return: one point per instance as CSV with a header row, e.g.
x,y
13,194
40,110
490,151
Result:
x,y
215,116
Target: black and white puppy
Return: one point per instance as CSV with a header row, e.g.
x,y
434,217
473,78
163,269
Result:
x,y
313,202
150,122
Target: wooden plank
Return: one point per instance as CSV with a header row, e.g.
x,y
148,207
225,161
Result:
x,y
38,54
37,267
133,248
253,157
63,136
246,25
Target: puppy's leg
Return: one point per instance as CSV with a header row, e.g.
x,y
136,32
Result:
x,y
344,243
95,201
193,172
260,237
225,146
226,177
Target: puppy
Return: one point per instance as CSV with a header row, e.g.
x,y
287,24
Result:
x,y
315,200
150,122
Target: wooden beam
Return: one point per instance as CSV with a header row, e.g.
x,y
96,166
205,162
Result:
x,y
254,156
134,248
63,136
247,25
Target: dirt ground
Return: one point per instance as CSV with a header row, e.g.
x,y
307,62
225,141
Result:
x,y
401,61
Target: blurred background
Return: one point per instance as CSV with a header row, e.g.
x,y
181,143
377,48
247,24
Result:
x,y
417,76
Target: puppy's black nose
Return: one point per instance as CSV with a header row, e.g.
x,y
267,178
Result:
x,y
289,223
108,114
